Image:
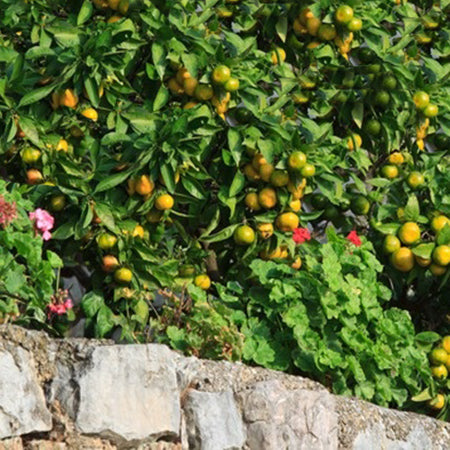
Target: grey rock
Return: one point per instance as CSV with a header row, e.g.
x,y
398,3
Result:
x,y
126,393
22,402
213,421
298,419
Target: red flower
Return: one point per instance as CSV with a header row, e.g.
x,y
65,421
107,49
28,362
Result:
x,y
7,212
354,238
301,235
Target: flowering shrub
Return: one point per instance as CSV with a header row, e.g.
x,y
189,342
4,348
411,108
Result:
x,y
27,269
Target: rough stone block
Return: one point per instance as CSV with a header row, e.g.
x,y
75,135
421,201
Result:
x,y
298,419
213,421
22,403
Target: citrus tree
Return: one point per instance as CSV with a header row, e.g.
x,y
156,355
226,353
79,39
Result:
x,y
187,149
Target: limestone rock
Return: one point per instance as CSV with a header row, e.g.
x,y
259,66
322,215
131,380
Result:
x,y
286,419
125,392
213,421
22,403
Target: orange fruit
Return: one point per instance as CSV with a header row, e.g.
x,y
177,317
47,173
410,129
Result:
x,y
144,185
189,86
164,202
389,171
109,263
437,270
415,180
182,75
267,198
114,19
353,139
251,173
279,178
34,176
446,343
258,160
438,356
304,15
244,235
440,371
421,99
391,243
265,171
297,264
326,32
403,259
138,231
231,85
90,113
441,255
288,221
422,262
431,110
68,98
296,190
308,170
221,74
123,275
312,25
174,87
252,202
278,56
355,24
409,233
265,230
439,222
396,158
62,145
106,241
295,205
437,402
296,161
343,14
202,281
30,155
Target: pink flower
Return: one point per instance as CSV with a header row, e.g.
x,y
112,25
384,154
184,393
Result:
x,y
354,238
301,235
43,222
8,212
68,303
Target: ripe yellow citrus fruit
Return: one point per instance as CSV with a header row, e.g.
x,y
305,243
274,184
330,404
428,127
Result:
x,y
304,15
182,75
440,372
296,161
109,263
441,255
279,178
389,171
63,145
403,259
326,32
297,191
34,176
355,24
343,14
288,221
438,356
278,56
144,185
189,86
278,253
437,270
421,99
68,98
90,113
106,241
265,230
446,343
267,198
312,25
244,235
396,158
437,402
439,222
422,262
391,244
123,275
265,171
30,155
409,233
138,231
297,264
190,105
352,140
174,87
295,205
221,74
113,19
252,202
258,160
202,281
251,173
164,202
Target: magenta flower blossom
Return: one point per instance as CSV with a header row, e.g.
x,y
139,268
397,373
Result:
x,y
60,303
354,238
43,222
8,212
301,235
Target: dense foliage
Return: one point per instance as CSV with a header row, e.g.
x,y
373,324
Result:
x,y
249,180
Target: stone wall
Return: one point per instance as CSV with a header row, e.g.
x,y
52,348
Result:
x,y
84,394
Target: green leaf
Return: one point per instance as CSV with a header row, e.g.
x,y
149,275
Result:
x,y
112,181
424,396
162,97
55,261
159,58
424,250
85,13
443,237
412,209
91,303
36,95
427,337
358,113
105,321
281,28
222,235
237,184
